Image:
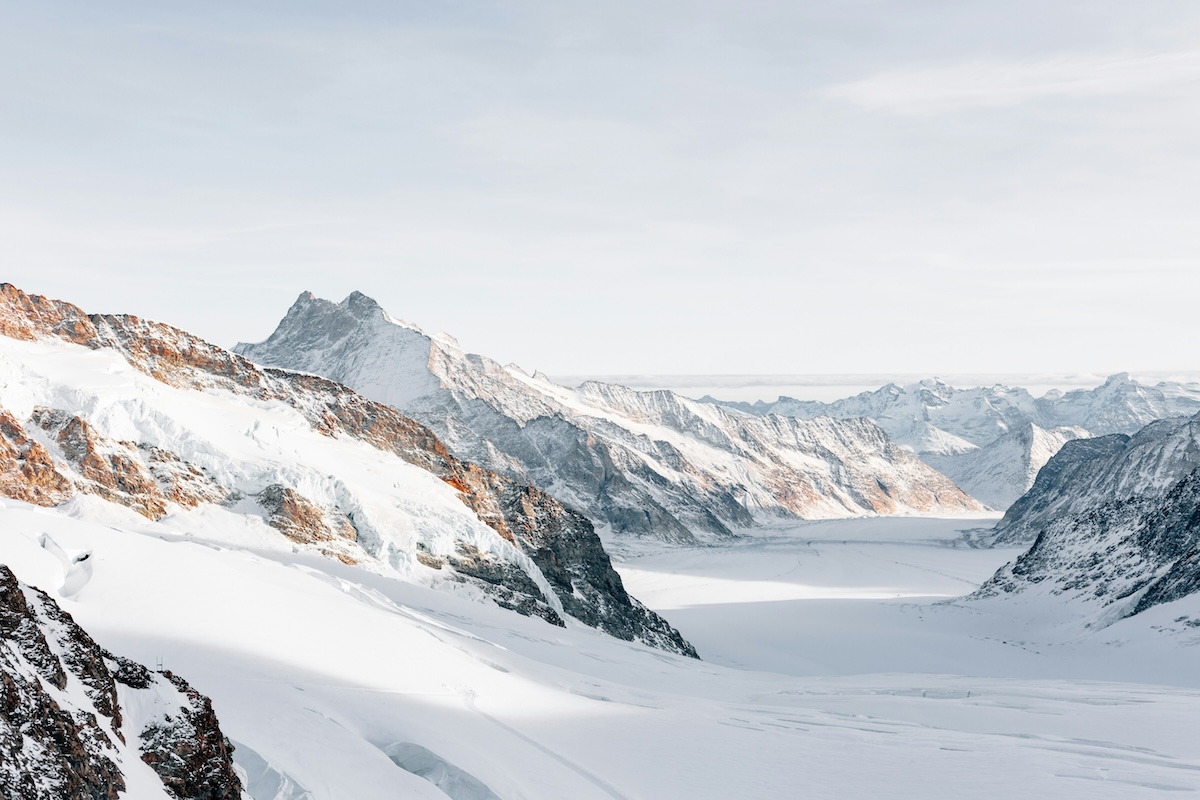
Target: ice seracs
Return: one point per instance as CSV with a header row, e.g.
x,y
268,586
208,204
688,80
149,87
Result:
x,y
642,463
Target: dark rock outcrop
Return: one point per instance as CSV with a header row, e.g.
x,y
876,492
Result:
x,y
58,742
1088,472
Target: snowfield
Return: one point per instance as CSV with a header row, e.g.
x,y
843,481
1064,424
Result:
x,y
830,670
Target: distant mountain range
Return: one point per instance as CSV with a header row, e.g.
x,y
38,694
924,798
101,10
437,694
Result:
x,y
650,464
993,440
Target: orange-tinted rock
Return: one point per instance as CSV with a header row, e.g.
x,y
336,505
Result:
x,y
182,483
28,316
27,471
108,469
302,520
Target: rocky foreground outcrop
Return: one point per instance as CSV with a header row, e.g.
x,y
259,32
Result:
x,y
54,454
74,717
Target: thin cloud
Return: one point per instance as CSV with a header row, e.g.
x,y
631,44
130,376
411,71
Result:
x,y
993,84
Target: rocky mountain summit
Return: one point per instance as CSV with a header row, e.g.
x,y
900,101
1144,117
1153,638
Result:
x,y
151,418
652,464
992,440
77,721
1114,524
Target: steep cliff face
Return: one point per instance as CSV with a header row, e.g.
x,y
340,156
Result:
x,y
333,471
1116,558
641,463
1089,472
1115,524
75,719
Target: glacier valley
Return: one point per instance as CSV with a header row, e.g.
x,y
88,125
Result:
x,y
226,579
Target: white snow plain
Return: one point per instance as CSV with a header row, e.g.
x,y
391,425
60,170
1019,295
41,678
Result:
x,y
829,672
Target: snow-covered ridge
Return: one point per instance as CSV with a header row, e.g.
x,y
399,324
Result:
x,y
644,463
1086,474
992,440
152,418
1115,525
79,721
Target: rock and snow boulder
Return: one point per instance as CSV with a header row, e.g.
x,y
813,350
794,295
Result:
x,y
77,721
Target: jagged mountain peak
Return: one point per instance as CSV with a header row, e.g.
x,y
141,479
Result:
x,y
966,433
329,470
360,303
649,463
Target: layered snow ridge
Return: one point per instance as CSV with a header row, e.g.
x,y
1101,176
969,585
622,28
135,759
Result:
x,y
651,464
80,722
145,416
992,440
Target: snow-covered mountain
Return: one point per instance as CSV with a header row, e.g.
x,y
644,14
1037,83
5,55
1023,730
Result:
x,y
1005,468
77,721
992,440
1088,473
1115,524
148,417
645,463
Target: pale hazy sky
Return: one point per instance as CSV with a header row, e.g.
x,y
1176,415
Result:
x,y
914,186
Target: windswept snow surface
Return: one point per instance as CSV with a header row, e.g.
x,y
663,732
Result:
x,y
329,673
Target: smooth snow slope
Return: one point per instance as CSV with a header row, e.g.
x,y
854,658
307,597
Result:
x,y
321,670
849,597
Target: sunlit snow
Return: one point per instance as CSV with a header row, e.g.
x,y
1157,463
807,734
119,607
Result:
x,y
829,672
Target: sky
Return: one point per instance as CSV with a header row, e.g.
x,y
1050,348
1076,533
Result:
x,y
912,186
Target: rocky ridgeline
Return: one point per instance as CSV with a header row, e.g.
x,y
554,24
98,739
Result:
x,y
64,732
650,464
992,440
54,455
1114,523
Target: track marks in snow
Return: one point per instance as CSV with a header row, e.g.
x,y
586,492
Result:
x,y
590,777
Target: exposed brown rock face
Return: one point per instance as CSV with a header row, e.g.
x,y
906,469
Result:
x,y
179,359
31,316
302,520
50,751
140,477
27,471
182,483
108,469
